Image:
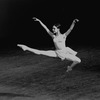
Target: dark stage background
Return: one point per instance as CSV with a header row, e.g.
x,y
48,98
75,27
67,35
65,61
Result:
x,y
27,76
17,26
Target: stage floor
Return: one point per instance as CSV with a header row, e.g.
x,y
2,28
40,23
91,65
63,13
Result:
x,y
27,76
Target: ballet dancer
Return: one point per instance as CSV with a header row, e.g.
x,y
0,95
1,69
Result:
x,y
59,40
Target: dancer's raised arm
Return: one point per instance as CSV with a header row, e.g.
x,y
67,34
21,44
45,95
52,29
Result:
x,y
71,27
44,26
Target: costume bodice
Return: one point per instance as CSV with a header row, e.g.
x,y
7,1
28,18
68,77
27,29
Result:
x,y
59,41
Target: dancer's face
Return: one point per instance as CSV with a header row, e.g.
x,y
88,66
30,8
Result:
x,y
55,29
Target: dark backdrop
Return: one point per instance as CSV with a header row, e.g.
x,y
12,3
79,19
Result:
x,y
17,26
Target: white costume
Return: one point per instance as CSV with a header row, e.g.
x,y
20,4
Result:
x,y
59,40
63,51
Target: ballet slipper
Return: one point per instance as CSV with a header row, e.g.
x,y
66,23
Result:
x,y
68,69
22,46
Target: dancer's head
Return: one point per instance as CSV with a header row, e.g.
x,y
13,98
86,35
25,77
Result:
x,y
56,28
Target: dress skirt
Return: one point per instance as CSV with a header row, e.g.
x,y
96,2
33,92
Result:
x,y
65,53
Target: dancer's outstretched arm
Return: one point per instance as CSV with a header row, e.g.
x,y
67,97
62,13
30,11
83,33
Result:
x,y
71,27
44,26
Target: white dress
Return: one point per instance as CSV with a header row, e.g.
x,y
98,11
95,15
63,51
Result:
x,y
61,50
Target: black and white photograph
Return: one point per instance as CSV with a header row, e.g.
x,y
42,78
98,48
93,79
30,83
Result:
x,y
49,50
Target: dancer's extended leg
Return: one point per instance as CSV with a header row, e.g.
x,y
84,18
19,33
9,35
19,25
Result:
x,y
49,53
75,60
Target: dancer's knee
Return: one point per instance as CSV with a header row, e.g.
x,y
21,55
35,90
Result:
x,y
75,59
78,60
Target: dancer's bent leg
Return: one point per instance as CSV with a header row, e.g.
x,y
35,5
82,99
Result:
x,y
75,60
49,53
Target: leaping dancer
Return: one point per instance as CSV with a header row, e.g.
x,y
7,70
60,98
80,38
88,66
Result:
x,y
59,40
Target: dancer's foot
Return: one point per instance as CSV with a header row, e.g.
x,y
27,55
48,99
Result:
x,y
22,46
69,68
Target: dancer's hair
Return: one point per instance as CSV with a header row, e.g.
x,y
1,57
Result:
x,y
57,25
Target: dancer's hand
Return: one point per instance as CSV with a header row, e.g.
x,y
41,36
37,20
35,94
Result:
x,y
75,20
22,46
35,19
